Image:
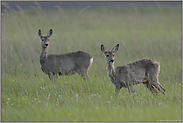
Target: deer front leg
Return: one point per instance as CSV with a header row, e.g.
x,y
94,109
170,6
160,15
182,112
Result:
x,y
53,76
50,77
117,89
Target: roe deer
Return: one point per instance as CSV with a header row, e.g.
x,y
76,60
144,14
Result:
x,y
63,64
143,71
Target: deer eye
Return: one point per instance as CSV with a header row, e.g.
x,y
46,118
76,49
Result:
x,y
42,39
107,55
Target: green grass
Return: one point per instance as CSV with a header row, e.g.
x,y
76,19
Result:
x,y
27,94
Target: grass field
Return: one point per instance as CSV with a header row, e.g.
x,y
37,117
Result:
x,y
152,32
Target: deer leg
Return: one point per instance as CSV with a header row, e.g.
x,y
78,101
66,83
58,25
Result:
x,y
117,89
162,87
150,87
53,76
154,81
130,89
50,77
81,73
159,88
84,74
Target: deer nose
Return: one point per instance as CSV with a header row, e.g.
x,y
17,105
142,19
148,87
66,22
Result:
x,y
46,45
111,61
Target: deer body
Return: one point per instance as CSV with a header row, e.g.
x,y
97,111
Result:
x,y
142,71
63,64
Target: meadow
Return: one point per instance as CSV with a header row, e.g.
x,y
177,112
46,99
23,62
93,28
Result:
x,y
152,32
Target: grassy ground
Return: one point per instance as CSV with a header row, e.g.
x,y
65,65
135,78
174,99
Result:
x,y
27,94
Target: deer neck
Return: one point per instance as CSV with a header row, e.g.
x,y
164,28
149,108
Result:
x,y
43,55
111,70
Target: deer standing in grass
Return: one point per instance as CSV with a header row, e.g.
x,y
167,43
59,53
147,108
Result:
x,y
143,71
63,64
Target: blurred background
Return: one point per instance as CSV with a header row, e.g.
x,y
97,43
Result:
x,y
83,4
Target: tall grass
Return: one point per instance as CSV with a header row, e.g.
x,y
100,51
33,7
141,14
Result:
x,y
27,94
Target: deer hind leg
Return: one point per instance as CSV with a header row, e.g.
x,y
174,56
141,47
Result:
x,y
83,69
162,87
150,87
152,77
83,72
154,81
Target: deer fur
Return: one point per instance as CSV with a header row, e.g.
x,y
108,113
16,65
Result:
x,y
63,64
142,71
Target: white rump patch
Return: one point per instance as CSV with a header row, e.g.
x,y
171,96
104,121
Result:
x,y
91,60
158,66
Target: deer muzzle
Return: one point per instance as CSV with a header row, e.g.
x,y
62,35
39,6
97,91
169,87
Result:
x,y
46,45
111,61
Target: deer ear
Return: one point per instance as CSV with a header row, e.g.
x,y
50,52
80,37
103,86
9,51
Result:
x,y
115,49
103,48
40,34
50,32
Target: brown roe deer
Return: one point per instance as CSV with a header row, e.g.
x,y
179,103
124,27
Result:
x,y
143,71
63,64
